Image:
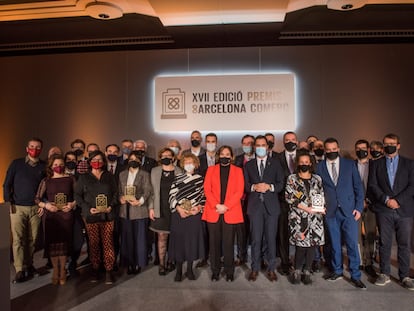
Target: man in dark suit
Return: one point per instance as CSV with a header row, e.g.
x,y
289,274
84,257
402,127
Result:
x,y
287,160
391,188
263,181
208,158
271,144
147,163
242,230
344,196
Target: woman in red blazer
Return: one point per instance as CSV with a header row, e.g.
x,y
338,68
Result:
x,y
223,188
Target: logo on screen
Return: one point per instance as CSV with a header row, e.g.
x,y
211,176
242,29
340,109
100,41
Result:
x,y
173,104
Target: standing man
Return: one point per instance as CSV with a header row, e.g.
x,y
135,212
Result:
x,y
242,229
127,145
195,148
287,160
344,196
208,158
391,187
20,187
263,181
147,163
367,225
271,144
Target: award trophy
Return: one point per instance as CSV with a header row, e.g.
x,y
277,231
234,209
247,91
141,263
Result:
x,y
318,202
101,203
60,200
129,193
186,205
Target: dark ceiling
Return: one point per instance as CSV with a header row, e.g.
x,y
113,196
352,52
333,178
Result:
x,y
314,25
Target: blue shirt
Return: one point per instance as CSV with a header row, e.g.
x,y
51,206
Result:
x,y
392,165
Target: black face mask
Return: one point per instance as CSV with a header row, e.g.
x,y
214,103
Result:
x,y
112,157
78,152
70,165
375,154
166,161
140,153
304,168
319,152
195,143
361,154
332,155
290,146
133,164
390,149
224,161
271,144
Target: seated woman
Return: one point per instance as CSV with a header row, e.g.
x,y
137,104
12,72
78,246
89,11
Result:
x,y
186,204
305,223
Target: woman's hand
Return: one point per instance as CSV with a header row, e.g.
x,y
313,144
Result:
x,y
183,213
134,202
122,200
151,214
68,207
51,207
40,211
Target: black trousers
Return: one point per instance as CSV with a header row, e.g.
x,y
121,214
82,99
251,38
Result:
x,y
242,234
221,241
283,235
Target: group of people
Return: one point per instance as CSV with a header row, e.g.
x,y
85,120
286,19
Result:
x,y
196,204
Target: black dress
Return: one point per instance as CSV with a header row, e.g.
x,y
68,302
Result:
x,y
162,224
187,234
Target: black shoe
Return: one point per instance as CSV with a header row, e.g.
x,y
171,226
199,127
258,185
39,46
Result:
x,y
130,270
202,263
190,275
109,278
316,267
49,264
239,262
306,278
230,277
32,271
358,284
161,270
85,262
370,271
333,277
136,270
170,267
19,278
215,277
95,276
156,261
284,270
294,277
178,277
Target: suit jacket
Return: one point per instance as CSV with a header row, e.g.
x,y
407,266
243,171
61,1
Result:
x,y
348,194
156,182
187,151
379,187
273,174
234,194
143,189
149,164
239,160
202,170
286,172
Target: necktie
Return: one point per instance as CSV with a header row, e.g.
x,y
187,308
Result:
x,y
261,169
291,164
112,169
261,197
334,173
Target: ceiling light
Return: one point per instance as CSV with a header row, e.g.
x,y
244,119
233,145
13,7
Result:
x,y
103,10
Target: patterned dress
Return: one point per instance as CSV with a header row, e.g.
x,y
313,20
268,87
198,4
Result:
x,y
305,229
187,234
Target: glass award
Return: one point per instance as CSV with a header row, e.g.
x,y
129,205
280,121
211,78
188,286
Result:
x,y
60,200
101,203
129,193
186,205
318,202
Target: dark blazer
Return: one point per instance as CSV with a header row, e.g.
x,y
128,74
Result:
x,y
379,187
348,194
202,170
239,160
149,164
273,174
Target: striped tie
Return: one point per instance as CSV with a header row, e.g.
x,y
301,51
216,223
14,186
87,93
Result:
x,y
334,173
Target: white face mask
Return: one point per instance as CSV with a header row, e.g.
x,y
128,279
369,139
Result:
x,y
211,147
175,150
189,168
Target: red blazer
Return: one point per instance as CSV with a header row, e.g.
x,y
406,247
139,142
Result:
x,y
234,194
